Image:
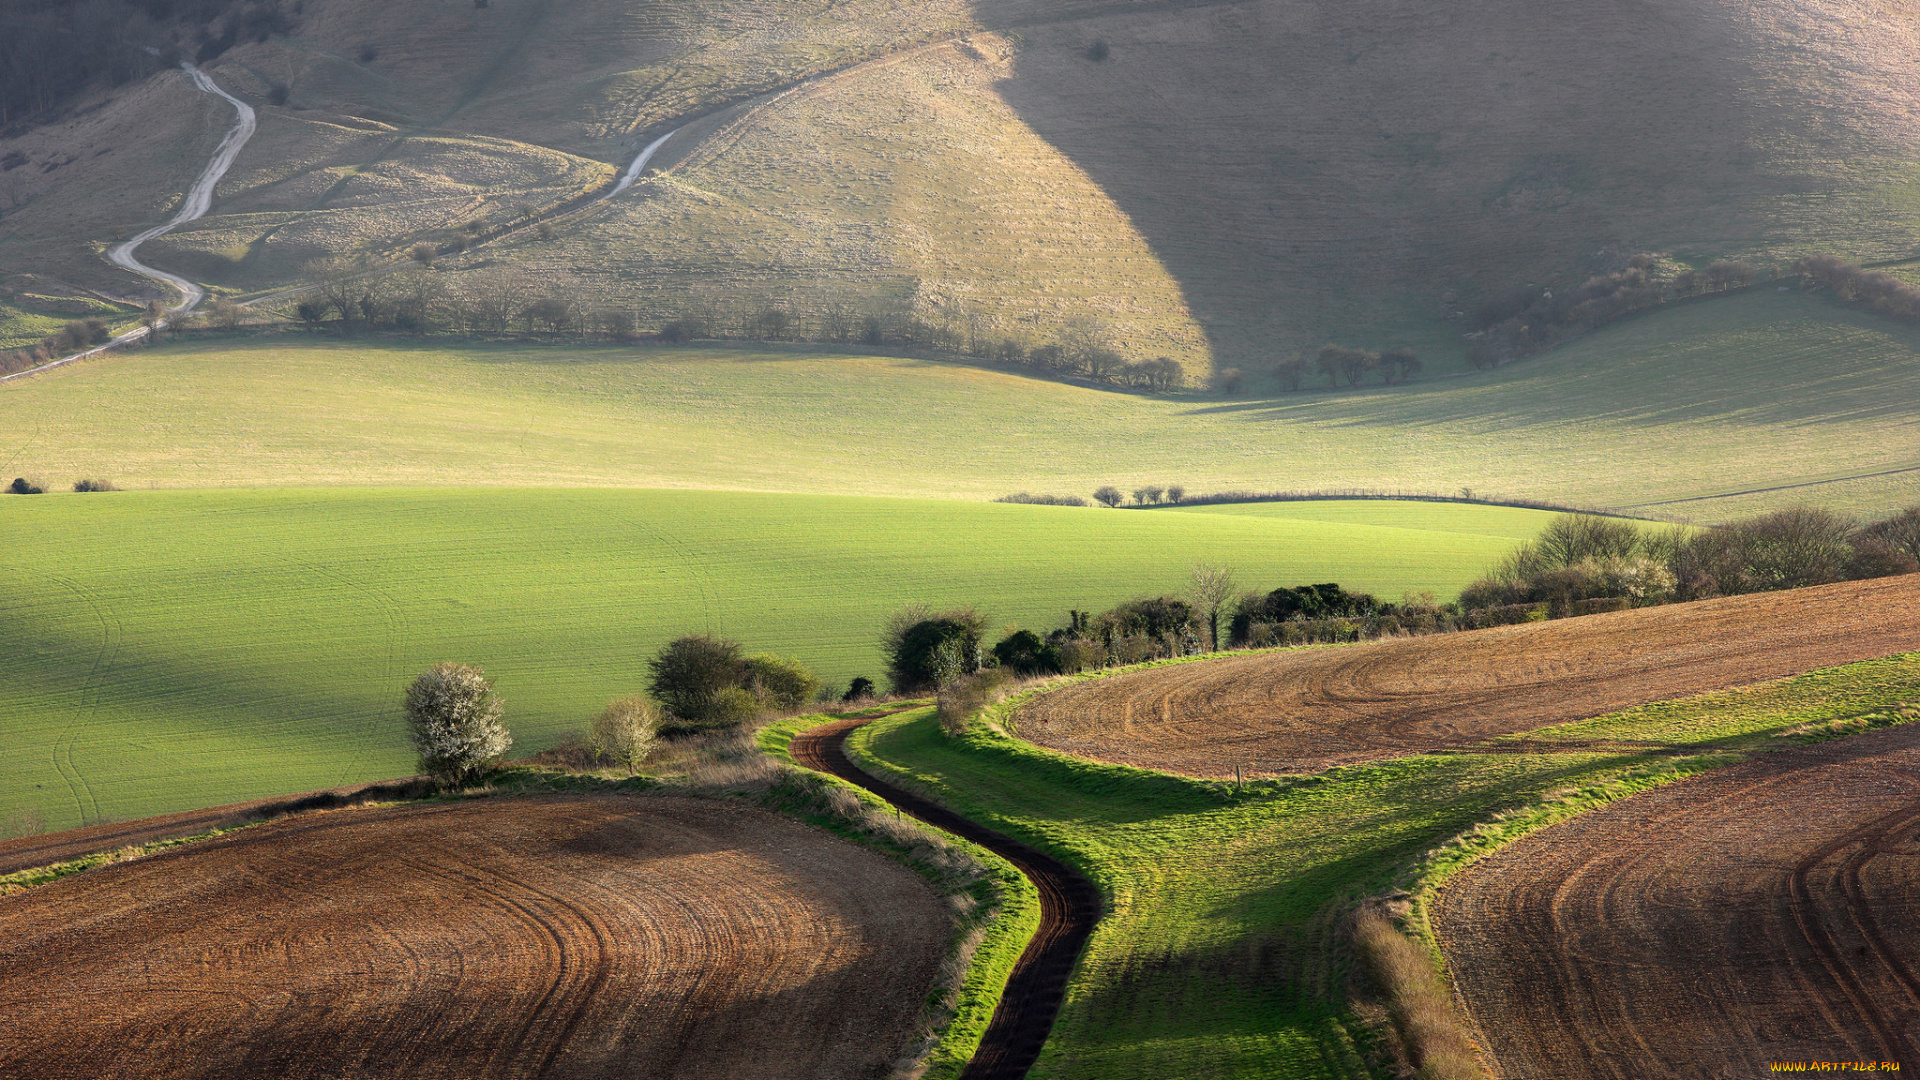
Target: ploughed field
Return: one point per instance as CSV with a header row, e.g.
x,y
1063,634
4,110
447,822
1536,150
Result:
x,y
1307,709
1769,911
557,936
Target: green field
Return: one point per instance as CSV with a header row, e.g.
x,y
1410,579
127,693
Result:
x,y
1755,391
169,650
1219,955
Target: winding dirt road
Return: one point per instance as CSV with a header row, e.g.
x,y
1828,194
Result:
x,y
1768,911
1304,710
196,203
527,937
1069,908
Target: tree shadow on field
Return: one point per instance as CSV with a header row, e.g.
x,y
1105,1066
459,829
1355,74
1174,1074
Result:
x,y
1316,171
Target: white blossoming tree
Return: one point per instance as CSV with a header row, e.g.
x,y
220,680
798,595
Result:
x,y
454,722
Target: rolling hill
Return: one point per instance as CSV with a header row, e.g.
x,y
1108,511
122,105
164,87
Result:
x,y
1224,183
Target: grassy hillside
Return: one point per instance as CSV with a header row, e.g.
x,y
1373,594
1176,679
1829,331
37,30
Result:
x,y
169,650
1219,954
1223,183
1758,391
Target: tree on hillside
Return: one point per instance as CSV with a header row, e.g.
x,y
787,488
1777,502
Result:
x,y
454,721
1108,495
1291,373
1175,493
337,279
1209,587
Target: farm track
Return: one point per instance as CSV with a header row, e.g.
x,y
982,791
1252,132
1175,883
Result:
x,y
1069,908
1768,911
29,852
1307,709
523,937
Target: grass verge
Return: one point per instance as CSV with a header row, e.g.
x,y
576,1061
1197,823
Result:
x,y
1228,949
997,908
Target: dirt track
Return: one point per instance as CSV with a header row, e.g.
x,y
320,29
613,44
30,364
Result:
x,y
582,936
28,852
1769,911
1303,710
1069,908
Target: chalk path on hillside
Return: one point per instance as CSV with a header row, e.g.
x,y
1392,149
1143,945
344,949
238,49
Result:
x,y
633,171
198,200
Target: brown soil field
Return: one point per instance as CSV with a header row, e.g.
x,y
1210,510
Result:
x,y
1306,709
560,936
1769,911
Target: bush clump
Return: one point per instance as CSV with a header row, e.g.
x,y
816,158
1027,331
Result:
x,y
454,720
624,733
94,485
1581,563
926,650
22,486
705,683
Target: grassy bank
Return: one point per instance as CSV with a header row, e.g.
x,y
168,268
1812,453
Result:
x,y
1221,956
171,650
1756,391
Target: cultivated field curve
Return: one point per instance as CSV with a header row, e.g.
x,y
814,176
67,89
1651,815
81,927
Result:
x,y
1302,710
558,936
1769,911
1069,908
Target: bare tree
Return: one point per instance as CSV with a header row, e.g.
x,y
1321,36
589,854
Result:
x,y
1291,373
1209,587
337,279
496,296
1109,496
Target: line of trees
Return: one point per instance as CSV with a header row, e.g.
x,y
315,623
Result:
x,y
1338,362
1581,564
1528,319
355,294
1876,291
75,336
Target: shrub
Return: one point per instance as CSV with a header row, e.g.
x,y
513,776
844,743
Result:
x,y
1024,651
860,689
690,673
21,486
962,698
454,721
1901,532
1079,654
422,253
624,732
1230,380
94,485
1786,549
925,650
780,682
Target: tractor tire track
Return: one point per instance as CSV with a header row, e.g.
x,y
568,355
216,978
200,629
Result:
x,y
596,935
1069,909
1767,911
1301,710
